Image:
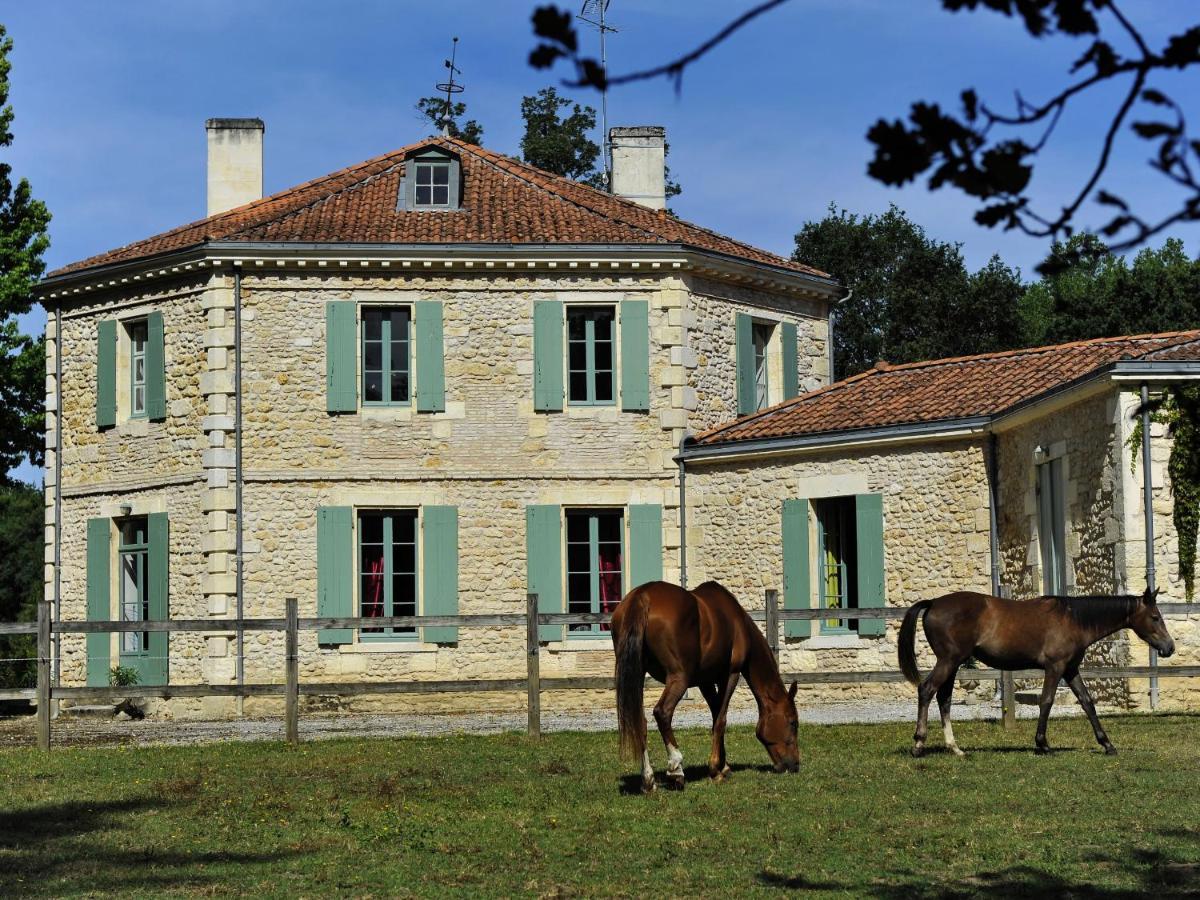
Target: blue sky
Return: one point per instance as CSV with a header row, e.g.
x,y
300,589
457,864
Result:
x,y
767,131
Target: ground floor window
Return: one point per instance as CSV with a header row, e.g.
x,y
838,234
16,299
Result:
x,y
595,561
837,554
134,553
387,555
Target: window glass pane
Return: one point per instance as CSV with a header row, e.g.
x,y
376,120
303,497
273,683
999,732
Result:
x,y
604,355
604,386
371,529
424,174
373,387
424,195
139,399
578,386
577,528
576,325
399,322
404,594
577,356
373,356
604,323
373,324
578,557
441,195
399,362
399,385
441,174
609,526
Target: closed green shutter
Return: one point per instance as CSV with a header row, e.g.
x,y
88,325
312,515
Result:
x,y
796,583
99,605
744,332
547,355
439,532
791,374
431,374
341,366
335,570
645,544
156,369
155,669
635,355
868,516
543,554
106,377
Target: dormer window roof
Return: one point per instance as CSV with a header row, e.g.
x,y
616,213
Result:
x,y
432,180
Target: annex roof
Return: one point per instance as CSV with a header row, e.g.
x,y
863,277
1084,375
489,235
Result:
x,y
945,390
504,201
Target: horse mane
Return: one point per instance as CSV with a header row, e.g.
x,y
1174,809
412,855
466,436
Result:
x,y
1090,610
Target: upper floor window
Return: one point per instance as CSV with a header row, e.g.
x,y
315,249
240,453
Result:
x,y
432,179
137,368
590,357
768,362
433,184
386,356
761,336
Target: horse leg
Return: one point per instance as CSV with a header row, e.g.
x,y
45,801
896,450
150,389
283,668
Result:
x,y
647,768
718,702
1079,689
664,710
943,697
1049,686
933,681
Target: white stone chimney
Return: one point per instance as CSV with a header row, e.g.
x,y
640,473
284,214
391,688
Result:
x,y
235,162
639,164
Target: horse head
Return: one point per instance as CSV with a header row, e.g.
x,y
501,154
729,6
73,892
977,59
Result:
x,y
1147,623
777,727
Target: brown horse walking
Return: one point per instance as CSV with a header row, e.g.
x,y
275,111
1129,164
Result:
x,y
699,638
1049,633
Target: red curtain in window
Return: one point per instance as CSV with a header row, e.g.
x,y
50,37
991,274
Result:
x,y
610,580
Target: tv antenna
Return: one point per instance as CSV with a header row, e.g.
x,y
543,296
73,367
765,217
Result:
x,y
593,12
450,88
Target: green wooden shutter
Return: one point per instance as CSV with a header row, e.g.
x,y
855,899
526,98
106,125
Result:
x,y
106,377
791,374
156,369
543,549
868,516
335,570
635,355
99,605
645,544
440,569
744,331
341,366
155,670
547,355
797,588
431,375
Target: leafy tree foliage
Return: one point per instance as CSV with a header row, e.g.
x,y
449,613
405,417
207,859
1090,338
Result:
x,y
23,240
913,297
559,143
21,547
436,111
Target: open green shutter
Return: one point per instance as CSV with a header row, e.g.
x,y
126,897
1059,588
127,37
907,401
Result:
x,y
155,670
796,582
744,333
335,568
440,569
547,355
99,606
791,373
341,368
868,516
543,549
156,369
635,355
431,375
106,377
645,544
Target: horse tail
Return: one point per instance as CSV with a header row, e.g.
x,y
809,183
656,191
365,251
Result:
x,y
631,676
908,641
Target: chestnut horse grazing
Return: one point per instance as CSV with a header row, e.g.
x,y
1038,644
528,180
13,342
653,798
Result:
x,y
699,638
1049,633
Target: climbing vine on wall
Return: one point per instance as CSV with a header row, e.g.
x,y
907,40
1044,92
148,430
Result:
x,y
1179,409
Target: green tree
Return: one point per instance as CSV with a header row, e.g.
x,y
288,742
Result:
x,y
21,548
913,297
23,240
435,110
558,143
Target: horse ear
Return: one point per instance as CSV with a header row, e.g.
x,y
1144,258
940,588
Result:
x,y
1153,595
792,691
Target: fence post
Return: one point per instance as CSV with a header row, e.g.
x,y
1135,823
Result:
x,y
43,675
292,657
533,686
772,622
1008,701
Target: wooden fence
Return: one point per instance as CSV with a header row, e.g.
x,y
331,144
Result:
x,y
533,684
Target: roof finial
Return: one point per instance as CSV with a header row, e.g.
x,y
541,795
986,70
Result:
x,y
450,88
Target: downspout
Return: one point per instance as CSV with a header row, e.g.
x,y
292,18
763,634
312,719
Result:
x,y
829,342
1148,512
682,513
993,473
58,430
239,661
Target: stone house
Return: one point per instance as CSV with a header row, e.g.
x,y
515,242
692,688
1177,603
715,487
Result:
x,y
427,383
1008,471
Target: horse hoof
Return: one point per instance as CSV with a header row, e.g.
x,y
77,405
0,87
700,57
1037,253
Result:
x,y
957,752
1042,751
1110,750
676,782
918,751
723,775
648,787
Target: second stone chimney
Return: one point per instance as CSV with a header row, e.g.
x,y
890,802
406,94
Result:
x,y
235,162
639,162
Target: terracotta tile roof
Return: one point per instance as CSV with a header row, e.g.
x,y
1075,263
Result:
x,y
504,202
947,389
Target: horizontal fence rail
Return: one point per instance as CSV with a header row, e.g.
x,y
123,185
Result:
x,y
291,689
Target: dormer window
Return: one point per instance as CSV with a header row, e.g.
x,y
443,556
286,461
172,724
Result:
x,y
431,180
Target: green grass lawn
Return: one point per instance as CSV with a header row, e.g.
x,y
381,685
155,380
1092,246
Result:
x,y
500,815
